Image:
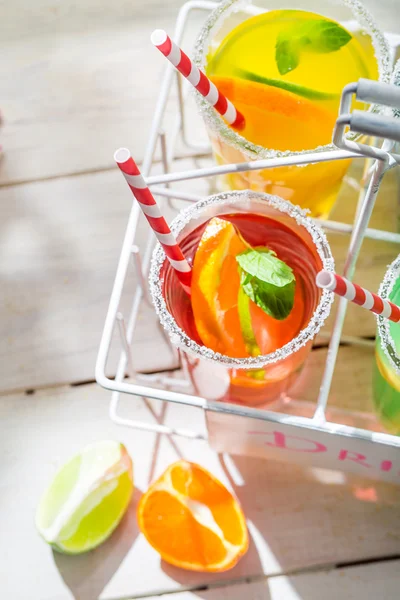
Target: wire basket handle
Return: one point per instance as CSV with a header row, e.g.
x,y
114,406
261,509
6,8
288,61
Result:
x,y
367,122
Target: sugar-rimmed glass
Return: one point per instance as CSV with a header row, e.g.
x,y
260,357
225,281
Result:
x,y
214,375
314,186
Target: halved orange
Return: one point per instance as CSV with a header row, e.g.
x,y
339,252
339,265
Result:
x,y
276,118
192,520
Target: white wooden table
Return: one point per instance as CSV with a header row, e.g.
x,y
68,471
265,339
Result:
x,y
79,80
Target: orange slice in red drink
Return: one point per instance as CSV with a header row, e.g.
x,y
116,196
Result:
x,y
277,118
216,296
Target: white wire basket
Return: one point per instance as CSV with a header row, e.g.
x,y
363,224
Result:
x,y
314,439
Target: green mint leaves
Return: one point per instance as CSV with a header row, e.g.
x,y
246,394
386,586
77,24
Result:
x,y
327,36
287,55
268,281
320,36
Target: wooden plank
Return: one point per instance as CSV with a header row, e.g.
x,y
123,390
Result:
x,y
298,518
60,246
59,253
379,580
79,80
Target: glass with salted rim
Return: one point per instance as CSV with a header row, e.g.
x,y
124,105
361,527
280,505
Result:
x,y
386,380
254,380
314,186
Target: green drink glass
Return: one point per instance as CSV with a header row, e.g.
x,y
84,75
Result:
x,y
386,378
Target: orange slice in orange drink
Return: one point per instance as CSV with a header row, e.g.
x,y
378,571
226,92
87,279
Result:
x,y
276,118
192,520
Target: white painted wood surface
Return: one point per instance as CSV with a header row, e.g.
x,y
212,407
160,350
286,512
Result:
x,y
297,518
366,581
59,250
60,242
78,81
74,85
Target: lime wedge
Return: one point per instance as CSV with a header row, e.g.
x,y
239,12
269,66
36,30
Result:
x,y
245,323
248,333
295,88
87,498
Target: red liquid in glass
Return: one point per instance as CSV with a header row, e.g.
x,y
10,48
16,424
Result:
x,y
258,230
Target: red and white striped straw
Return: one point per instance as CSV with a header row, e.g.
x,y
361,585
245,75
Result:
x,y
355,293
153,214
197,78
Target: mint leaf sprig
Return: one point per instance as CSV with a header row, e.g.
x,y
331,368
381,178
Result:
x,y
315,35
268,281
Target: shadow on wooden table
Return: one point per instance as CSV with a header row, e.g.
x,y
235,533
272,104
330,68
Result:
x,y
87,575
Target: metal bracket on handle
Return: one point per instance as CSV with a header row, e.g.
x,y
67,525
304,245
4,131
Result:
x,y
368,123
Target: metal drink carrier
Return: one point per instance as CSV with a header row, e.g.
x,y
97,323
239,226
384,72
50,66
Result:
x,y
314,440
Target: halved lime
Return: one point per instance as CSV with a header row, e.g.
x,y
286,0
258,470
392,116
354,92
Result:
x,y
87,498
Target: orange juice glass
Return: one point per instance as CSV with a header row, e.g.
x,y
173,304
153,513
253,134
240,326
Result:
x,y
290,107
